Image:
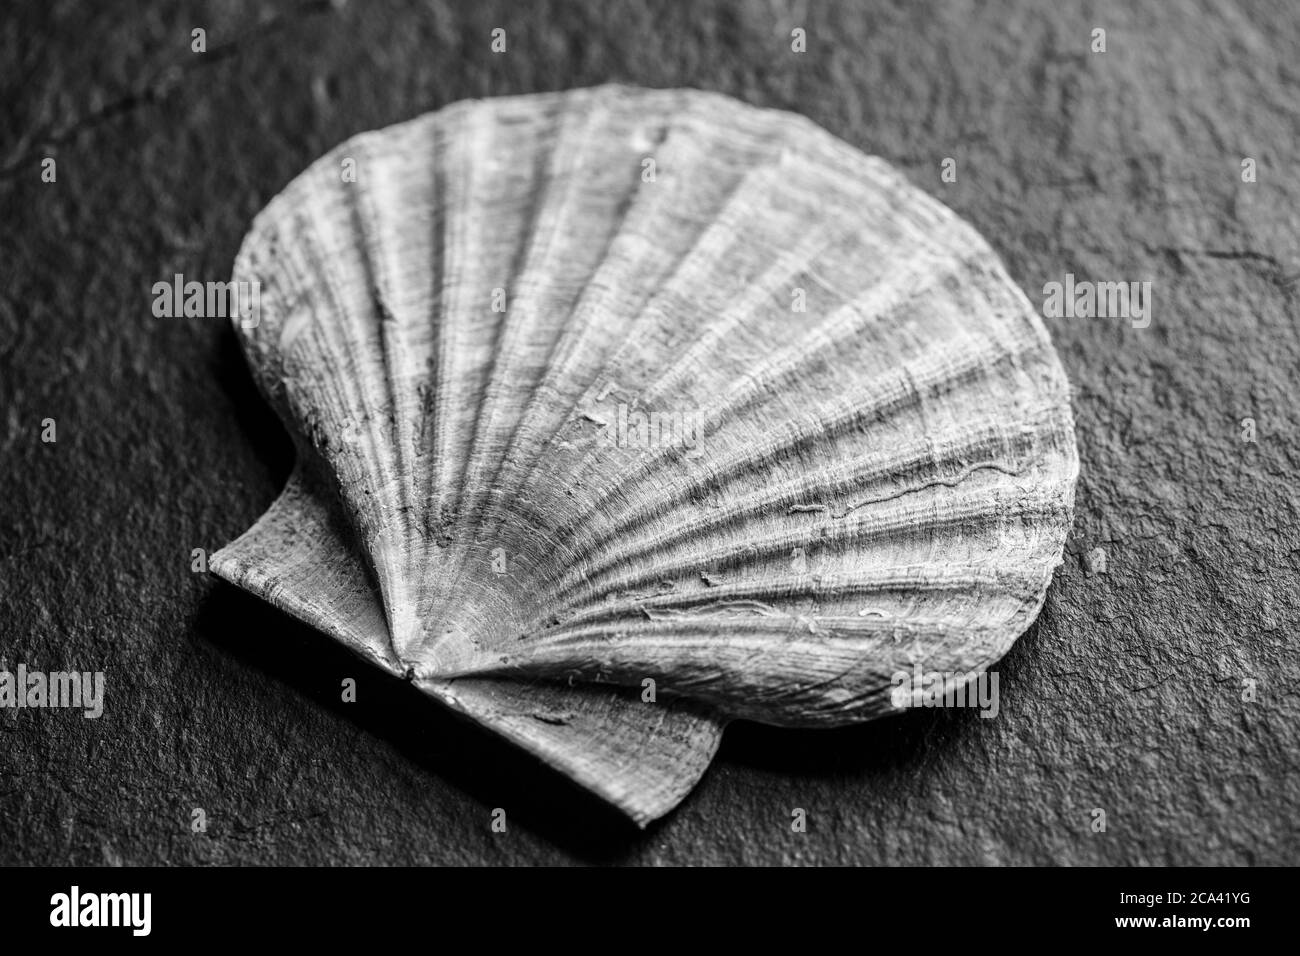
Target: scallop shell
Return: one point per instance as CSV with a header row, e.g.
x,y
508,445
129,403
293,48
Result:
x,y
623,413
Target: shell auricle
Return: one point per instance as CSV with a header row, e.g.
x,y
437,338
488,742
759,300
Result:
x,y
620,414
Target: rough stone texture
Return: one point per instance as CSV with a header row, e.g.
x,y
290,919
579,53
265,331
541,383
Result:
x,y
1127,694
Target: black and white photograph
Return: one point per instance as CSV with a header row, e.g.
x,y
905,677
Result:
x,y
737,433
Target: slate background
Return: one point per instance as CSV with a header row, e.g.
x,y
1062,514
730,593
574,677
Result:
x,y
1125,696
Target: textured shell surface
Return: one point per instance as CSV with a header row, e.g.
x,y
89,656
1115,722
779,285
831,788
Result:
x,y
623,413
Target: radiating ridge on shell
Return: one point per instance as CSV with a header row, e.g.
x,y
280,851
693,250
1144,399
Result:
x,y
623,413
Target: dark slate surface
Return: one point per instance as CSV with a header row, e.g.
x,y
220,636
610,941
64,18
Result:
x,y
1127,694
